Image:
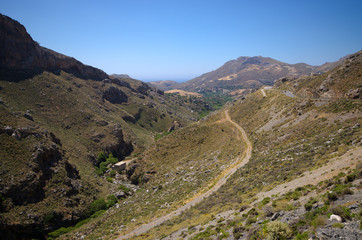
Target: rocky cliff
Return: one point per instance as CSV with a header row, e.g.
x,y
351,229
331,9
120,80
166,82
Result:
x,y
21,57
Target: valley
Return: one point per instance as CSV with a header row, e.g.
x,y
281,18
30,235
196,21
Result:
x,y
212,188
256,149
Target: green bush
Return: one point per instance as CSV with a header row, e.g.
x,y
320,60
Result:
x,y
302,236
308,206
332,196
265,201
111,159
112,173
351,177
109,179
101,158
250,220
338,225
103,167
97,205
124,188
278,230
59,231
111,200
341,211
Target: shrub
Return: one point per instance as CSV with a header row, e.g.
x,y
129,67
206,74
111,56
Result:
x,y
124,188
318,221
109,179
250,220
97,205
265,201
351,177
112,173
101,158
103,167
278,230
111,159
338,225
59,231
111,200
341,211
308,206
342,190
302,236
332,196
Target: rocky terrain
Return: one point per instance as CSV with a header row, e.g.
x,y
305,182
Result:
x,y
91,156
343,82
56,116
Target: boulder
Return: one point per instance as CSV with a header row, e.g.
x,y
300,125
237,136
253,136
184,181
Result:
x,y
354,93
335,217
120,194
27,115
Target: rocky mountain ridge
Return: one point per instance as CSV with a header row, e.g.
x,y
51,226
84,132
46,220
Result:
x,y
56,116
21,57
246,73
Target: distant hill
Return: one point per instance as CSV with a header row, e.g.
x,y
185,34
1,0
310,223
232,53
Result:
x,y
249,73
164,85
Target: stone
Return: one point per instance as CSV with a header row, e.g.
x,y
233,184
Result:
x,y
175,125
120,194
275,216
353,206
335,217
354,93
28,116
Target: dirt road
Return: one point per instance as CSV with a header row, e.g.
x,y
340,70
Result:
x,y
198,198
313,177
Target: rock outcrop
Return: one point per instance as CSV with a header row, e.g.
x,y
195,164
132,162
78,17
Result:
x,y
21,57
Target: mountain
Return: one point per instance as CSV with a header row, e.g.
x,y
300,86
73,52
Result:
x,y
279,163
63,125
164,85
21,57
344,81
249,73
295,170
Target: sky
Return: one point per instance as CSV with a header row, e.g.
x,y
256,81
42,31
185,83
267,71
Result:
x,y
182,39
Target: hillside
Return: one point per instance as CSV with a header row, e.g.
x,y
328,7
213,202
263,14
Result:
x,y
248,73
56,116
164,85
273,164
343,82
305,165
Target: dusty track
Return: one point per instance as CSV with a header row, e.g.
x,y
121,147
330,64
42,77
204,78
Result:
x,y
198,198
313,177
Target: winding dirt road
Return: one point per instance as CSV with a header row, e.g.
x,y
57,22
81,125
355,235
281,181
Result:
x,y
198,198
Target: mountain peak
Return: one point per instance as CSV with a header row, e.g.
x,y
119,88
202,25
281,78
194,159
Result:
x,y
248,73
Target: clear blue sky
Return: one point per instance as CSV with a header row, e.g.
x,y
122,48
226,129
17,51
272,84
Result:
x,y
181,39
